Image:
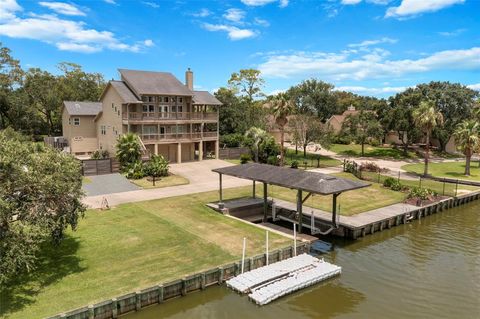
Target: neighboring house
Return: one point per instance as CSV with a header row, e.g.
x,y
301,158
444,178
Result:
x,y
336,121
170,118
274,130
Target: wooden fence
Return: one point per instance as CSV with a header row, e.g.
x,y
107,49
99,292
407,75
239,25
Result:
x,y
100,167
233,153
159,293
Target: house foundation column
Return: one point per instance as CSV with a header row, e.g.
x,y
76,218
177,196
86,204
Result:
x,y
155,149
179,153
217,149
200,150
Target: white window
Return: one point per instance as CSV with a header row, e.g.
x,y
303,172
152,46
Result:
x,y
76,121
103,130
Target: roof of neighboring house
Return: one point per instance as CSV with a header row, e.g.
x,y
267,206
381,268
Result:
x,y
205,98
125,93
341,117
82,108
148,82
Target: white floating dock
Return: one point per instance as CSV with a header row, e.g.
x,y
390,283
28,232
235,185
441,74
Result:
x,y
270,282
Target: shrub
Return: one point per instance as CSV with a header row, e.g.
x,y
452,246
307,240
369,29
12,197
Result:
x,y
294,164
100,154
388,182
134,170
272,160
421,193
374,142
156,167
370,167
232,140
245,158
342,139
267,148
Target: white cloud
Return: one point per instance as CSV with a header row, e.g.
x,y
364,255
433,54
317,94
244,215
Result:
x,y
261,22
202,13
345,65
259,3
63,8
151,4
474,86
354,2
367,43
234,33
411,8
148,43
373,91
110,1
350,2
65,34
234,15
453,33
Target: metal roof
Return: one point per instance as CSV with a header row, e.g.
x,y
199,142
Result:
x,y
82,108
125,93
205,98
308,181
154,83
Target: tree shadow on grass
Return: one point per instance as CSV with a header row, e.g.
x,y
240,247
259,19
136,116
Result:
x,y
54,263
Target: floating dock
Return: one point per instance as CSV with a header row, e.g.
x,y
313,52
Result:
x,y
268,283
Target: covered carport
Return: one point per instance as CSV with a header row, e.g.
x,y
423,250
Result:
x,y
302,181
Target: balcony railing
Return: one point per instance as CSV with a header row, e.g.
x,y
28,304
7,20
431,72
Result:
x,y
177,136
157,116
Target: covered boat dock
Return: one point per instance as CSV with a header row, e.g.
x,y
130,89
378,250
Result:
x,y
302,181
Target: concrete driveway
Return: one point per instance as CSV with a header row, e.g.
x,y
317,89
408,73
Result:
x,y
200,175
108,184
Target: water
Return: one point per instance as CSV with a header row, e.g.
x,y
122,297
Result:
x,y
426,269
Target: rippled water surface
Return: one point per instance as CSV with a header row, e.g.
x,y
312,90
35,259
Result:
x,y
425,269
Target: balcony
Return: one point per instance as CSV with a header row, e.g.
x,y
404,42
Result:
x,y
169,116
176,137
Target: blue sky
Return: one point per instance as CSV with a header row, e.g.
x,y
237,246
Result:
x,y
370,47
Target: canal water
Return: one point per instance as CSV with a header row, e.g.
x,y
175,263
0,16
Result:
x,y
425,269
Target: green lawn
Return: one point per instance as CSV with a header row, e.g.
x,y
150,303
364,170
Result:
x,y
352,202
86,180
355,150
129,247
170,180
447,169
311,160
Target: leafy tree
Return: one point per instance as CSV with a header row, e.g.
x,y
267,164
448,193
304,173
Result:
x,y
156,167
467,137
11,76
363,126
40,192
314,97
77,85
281,107
129,150
307,129
232,110
256,135
427,118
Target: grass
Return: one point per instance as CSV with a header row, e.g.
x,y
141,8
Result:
x,y
311,159
86,180
454,170
170,180
351,203
129,247
355,150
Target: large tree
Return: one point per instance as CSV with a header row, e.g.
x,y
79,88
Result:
x,y
362,127
427,118
282,107
314,97
308,129
11,76
40,192
232,112
467,137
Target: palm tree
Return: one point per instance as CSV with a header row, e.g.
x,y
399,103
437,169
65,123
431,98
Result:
x,y
468,140
128,149
282,107
426,117
257,135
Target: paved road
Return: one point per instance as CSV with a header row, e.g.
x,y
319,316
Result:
x,y
108,184
200,175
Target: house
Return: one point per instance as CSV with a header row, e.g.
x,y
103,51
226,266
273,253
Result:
x,y
336,121
170,118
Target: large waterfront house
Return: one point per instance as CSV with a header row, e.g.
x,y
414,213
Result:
x,y
170,118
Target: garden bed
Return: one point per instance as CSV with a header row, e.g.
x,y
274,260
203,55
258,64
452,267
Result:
x,y
166,181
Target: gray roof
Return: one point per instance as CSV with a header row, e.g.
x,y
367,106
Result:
x,y
125,93
313,182
205,98
148,82
82,108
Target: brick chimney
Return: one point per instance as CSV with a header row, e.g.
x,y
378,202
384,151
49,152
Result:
x,y
189,79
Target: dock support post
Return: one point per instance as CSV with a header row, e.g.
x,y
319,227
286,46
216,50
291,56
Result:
x,y
265,203
220,203
299,210
295,239
266,248
334,210
114,308
243,253
253,191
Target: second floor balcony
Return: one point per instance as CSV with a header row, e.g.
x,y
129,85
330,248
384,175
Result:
x,y
176,137
169,116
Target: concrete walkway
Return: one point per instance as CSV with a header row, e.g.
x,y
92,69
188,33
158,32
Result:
x,y
108,184
200,175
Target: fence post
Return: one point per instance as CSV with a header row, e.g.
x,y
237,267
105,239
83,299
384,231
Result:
x,y
456,188
420,182
344,164
398,176
379,177
443,187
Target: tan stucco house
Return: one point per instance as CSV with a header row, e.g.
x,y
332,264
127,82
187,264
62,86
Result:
x,y
170,118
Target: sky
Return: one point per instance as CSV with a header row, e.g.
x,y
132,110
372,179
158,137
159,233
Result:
x,y
369,47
